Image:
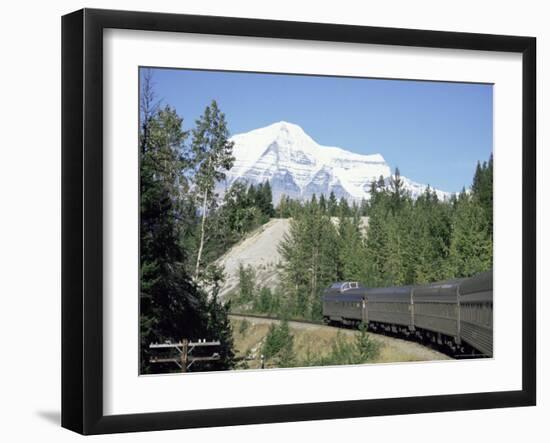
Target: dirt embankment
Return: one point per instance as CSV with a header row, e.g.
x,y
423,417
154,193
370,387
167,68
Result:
x,y
259,250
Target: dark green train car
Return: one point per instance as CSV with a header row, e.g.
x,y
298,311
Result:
x,y
344,302
390,306
476,312
435,309
457,314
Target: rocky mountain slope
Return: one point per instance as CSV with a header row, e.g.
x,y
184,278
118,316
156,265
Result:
x,y
297,166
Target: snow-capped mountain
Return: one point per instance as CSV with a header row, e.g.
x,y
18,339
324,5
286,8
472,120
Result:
x,y
299,167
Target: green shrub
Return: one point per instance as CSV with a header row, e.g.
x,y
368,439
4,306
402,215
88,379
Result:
x,y
243,327
343,352
279,345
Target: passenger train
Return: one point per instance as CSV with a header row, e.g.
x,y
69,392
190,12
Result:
x,y
455,314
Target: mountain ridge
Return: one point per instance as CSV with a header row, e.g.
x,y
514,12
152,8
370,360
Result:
x,y
298,167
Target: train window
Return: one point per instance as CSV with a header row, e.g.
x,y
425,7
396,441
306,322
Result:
x,y
347,286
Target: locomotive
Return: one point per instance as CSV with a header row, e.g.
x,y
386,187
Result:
x,y
454,314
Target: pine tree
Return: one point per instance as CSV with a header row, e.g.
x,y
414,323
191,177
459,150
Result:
x,y
169,300
377,240
477,181
364,207
283,209
247,284
219,325
397,191
343,208
351,249
323,204
172,306
332,205
471,248
268,209
252,194
482,188
309,260
279,345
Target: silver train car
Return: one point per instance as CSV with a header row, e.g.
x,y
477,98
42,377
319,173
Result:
x,y
455,314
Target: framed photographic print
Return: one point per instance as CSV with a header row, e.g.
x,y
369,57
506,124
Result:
x,y
269,221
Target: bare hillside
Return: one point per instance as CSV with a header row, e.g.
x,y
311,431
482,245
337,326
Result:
x,y
259,250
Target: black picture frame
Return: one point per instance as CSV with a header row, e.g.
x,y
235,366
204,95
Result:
x,y
82,218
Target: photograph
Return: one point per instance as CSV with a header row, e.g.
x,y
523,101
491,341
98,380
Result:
x,y
267,222
291,220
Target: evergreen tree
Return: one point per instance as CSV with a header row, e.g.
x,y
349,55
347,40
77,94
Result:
x,y
313,202
477,182
429,239
247,284
332,205
241,215
397,191
265,301
471,248
323,204
364,207
343,208
172,306
279,345
310,260
284,207
169,301
267,200
252,194
381,184
482,188
351,249
219,325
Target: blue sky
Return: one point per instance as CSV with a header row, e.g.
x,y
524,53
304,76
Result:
x,y
435,132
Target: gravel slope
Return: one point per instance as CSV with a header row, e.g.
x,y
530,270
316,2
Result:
x,y
259,250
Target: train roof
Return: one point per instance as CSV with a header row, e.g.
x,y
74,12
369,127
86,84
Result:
x,y
390,294
438,290
478,286
482,282
391,290
345,297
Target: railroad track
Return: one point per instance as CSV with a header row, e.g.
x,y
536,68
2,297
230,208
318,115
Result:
x,y
440,349
290,320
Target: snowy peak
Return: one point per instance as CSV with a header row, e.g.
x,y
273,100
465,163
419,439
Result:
x,y
297,166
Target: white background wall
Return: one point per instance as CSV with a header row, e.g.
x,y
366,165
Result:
x,y
30,218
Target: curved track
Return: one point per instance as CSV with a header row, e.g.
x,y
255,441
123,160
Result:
x,y
421,352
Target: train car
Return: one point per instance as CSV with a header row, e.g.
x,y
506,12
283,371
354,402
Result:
x,y
390,306
436,312
456,314
476,312
344,302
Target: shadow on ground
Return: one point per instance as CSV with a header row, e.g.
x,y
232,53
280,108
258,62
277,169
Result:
x,y
54,417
